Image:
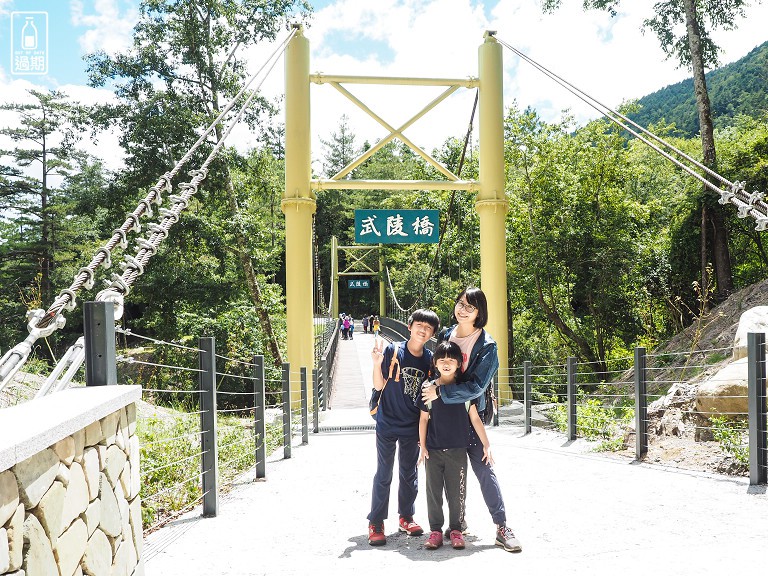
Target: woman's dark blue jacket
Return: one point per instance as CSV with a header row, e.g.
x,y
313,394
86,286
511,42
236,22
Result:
x,y
483,364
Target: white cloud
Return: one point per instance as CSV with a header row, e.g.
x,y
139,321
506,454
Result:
x,y
108,29
612,60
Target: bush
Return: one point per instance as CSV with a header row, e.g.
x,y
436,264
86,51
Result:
x,y
729,434
596,421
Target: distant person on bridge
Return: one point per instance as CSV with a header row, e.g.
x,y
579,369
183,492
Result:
x,y
481,361
376,326
443,438
398,372
365,324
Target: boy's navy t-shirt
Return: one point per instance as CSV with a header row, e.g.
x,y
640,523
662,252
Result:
x,y
448,425
398,414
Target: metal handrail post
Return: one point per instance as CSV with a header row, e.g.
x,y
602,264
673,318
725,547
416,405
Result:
x,y
756,373
527,395
209,458
495,384
99,339
260,416
304,407
571,393
641,404
316,400
286,410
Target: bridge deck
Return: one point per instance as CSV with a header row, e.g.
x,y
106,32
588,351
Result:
x,y
574,511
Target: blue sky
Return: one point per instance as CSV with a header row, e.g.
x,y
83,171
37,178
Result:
x,y
70,25
608,58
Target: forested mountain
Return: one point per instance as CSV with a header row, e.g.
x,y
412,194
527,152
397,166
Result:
x,y
737,88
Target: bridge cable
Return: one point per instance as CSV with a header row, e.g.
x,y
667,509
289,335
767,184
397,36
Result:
x,y
446,222
43,324
748,204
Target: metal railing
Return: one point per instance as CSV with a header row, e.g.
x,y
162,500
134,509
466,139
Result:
x,y
210,428
629,399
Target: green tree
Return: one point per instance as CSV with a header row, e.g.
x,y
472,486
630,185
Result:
x,y
194,49
696,50
45,138
574,233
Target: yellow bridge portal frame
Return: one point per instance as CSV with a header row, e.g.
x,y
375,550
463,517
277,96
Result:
x,y
299,200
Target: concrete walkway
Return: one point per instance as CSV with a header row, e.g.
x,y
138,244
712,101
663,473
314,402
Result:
x,y
574,511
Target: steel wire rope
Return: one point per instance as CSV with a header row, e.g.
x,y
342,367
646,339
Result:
x,y
168,390
187,507
129,332
180,483
135,267
167,440
146,472
748,204
132,360
46,323
230,375
446,221
85,275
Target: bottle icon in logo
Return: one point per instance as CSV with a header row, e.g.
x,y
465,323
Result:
x,y
29,35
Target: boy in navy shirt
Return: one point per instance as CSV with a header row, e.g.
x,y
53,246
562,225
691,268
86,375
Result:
x,y
398,372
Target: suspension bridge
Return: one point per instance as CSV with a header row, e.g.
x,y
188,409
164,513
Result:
x,y
574,511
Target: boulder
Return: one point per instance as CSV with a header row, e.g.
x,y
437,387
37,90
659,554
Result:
x,y
91,469
110,521
93,434
752,320
65,450
725,392
92,516
97,560
38,557
5,552
9,496
35,475
71,547
49,511
76,499
115,463
16,538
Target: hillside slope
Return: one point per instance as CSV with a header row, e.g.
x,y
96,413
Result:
x,y
736,88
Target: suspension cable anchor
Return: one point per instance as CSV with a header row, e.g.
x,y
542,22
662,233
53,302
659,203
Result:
x,y
123,238
115,297
89,281
131,262
135,222
107,262
168,215
179,199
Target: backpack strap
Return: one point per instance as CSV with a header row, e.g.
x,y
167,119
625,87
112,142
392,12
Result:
x,y
395,360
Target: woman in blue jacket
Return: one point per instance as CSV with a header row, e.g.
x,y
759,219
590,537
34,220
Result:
x,y
481,361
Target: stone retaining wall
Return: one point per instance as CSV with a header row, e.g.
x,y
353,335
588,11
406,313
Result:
x,y
72,508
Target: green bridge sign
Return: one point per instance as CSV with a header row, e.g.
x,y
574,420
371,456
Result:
x,y
358,283
397,226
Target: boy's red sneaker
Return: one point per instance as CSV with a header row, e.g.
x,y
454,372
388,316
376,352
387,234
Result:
x,y
376,536
410,527
434,541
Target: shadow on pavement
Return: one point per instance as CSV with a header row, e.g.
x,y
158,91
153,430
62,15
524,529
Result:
x,y
412,547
